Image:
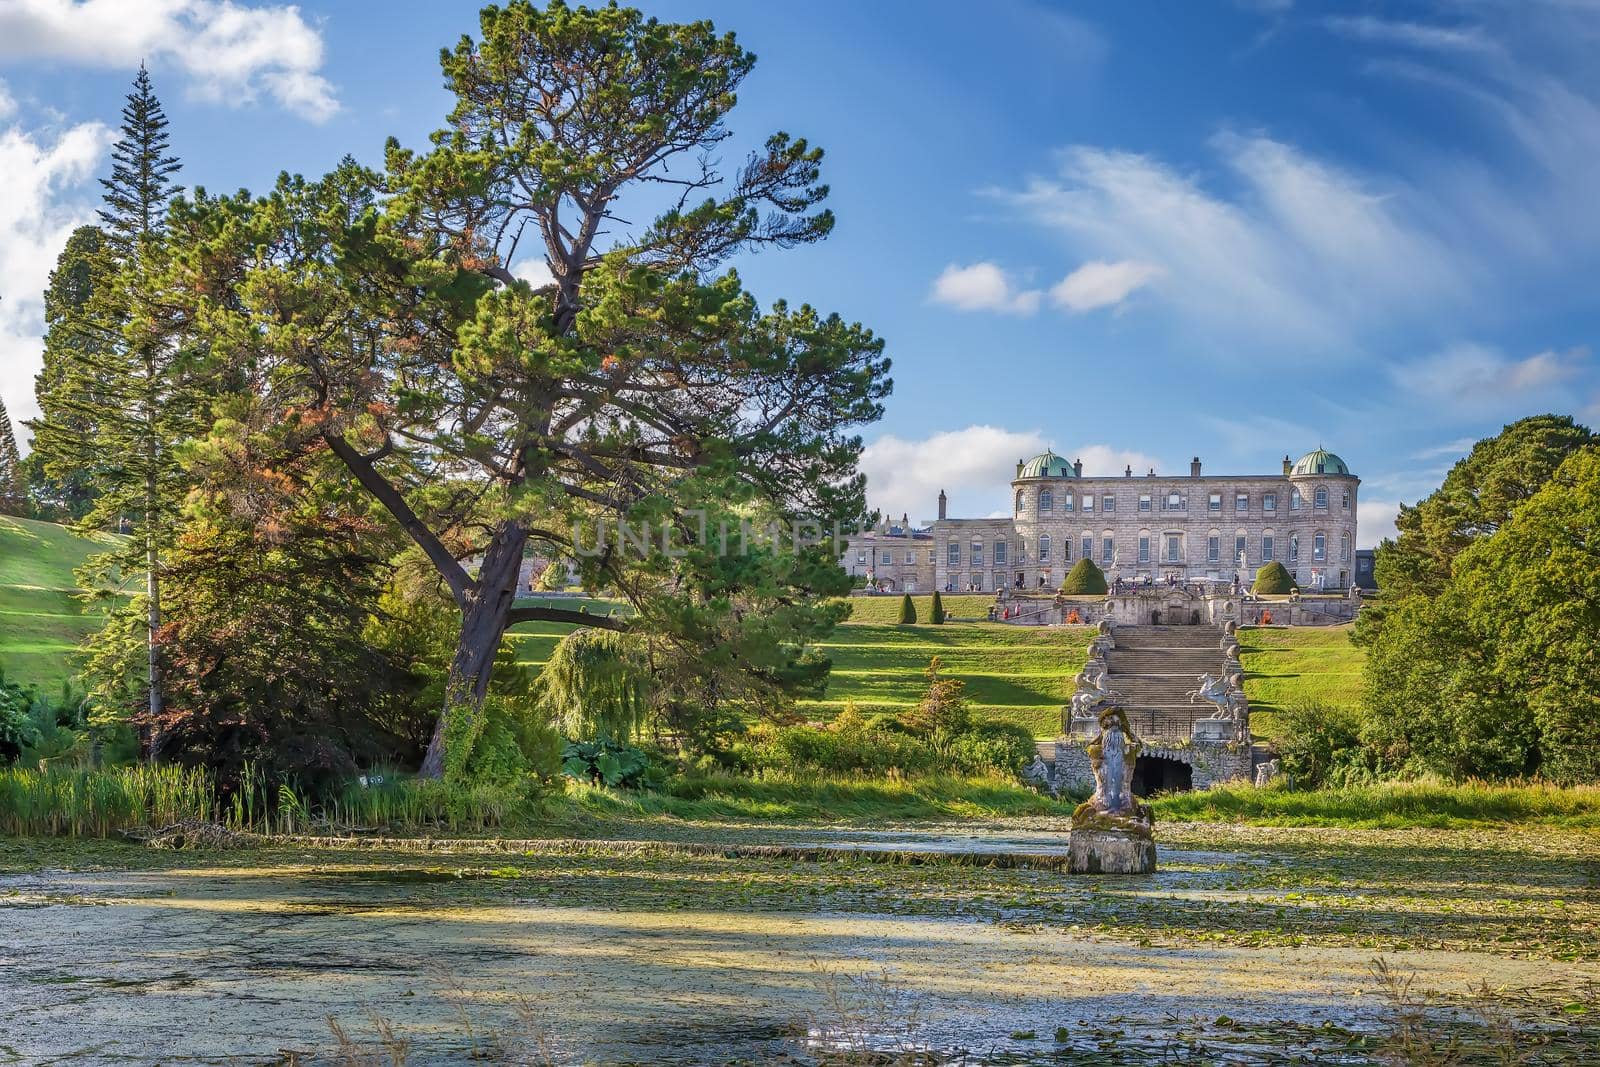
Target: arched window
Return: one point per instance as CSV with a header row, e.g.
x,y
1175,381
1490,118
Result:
x,y
1088,544
1214,547
1047,500
1268,542
1108,547
1344,547
1019,501
1322,496
1294,548
1144,546
1044,548
1239,541
1294,500
1319,546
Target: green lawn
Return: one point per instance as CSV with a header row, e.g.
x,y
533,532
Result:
x,y
40,621
1302,665
1013,673
886,609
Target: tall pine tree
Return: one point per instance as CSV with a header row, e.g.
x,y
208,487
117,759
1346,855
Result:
x,y
12,491
113,390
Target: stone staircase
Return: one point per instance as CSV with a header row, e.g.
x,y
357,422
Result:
x,y
1154,668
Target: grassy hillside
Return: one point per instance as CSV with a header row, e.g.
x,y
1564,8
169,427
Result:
x,y
1303,665
1013,673
886,609
40,621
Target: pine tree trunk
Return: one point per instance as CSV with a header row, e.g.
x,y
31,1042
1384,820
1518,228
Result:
x,y
483,624
152,585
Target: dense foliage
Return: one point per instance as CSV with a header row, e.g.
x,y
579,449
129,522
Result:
x,y
1084,579
908,611
1272,579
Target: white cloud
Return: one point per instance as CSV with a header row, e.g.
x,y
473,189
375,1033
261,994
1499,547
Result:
x,y
1477,377
534,270
973,466
983,287
1294,251
1099,284
232,53
1375,521
1418,35
46,174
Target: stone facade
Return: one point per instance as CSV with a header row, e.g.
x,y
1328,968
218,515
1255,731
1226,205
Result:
x,y
1133,526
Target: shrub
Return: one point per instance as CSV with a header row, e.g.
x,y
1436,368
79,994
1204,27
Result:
x,y
610,763
1272,579
1320,744
995,747
908,611
936,612
1084,579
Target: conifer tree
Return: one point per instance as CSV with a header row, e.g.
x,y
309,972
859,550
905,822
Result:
x,y
908,610
936,610
12,490
112,392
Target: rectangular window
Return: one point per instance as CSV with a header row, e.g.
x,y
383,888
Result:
x,y
1241,502
999,553
1266,548
911,557
1174,502
1108,503
1144,502
1238,547
1173,545
888,557
1066,502
1088,502
1269,501
1214,503
1044,549
1088,547
955,553
1066,550
1319,547
861,557
1144,549
977,553
1344,500
1107,549
1214,549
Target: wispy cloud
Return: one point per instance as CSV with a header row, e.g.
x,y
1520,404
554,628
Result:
x,y
1421,35
231,53
983,287
1459,447
1479,378
47,172
1100,284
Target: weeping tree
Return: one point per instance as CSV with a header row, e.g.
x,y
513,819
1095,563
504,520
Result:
x,y
495,353
596,686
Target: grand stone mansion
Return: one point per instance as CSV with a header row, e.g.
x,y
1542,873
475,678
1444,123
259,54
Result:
x,y
1133,526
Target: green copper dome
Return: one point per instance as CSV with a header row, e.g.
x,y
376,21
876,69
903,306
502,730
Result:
x,y
1320,462
1047,465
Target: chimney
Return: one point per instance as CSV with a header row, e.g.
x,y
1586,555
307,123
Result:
x,y
905,520
1194,467
1019,468
1287,466
942,500
1128,471
1077,467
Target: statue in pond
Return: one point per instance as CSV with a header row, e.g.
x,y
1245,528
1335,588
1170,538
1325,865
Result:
x,y
1111,831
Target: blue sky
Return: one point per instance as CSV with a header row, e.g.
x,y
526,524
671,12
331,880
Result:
x,y
1132,232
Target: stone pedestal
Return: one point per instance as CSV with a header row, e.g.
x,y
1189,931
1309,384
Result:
x,y
1111,852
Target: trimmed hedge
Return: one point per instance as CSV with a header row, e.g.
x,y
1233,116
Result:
x,y
1273,579
1084,579
908,611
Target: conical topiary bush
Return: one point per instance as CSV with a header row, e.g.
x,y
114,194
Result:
x,y
936,611
1272,579
908,610
1084,579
